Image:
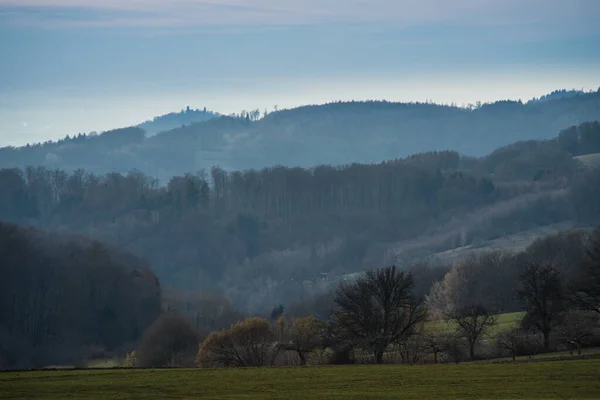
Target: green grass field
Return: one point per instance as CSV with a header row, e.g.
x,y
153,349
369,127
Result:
x,y
504,322
541,380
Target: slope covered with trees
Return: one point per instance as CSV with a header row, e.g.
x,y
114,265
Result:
x,y
380,317
174,120
63,296
333,134
267,236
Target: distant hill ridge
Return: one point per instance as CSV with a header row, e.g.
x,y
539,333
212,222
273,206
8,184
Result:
x,y
560,94
336,133
175,120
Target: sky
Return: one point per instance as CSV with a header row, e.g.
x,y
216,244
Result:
x,y
70,66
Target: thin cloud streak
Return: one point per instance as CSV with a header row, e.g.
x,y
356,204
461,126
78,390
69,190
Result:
x,y
190,13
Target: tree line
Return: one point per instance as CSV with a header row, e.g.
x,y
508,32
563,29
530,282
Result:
x,y
335,133
257,235
226,226
380,318
67,299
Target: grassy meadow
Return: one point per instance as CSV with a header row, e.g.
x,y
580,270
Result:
x,y
504,322
540,380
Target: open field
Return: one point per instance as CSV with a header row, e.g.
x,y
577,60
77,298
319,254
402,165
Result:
x,y
540,380
590,160
504,322
514,242
508,321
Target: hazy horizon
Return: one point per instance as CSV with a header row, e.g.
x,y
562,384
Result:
x,y
104,112
78,66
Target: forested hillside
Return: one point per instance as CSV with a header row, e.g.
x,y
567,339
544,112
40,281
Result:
x,y
333,134
267,236
176,120
62,296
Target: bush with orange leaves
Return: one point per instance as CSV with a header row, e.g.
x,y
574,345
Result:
x,y
305,335
248,343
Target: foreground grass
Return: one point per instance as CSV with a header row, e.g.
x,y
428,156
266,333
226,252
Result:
x,y
542,380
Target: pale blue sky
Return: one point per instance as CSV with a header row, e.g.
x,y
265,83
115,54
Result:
x,y
73,66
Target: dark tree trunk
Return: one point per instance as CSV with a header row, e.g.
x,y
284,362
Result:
x,y
302,358
546,340
378,357
471,350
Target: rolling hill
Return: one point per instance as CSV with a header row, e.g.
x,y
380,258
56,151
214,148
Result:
x,y
174,120
257,235
333,134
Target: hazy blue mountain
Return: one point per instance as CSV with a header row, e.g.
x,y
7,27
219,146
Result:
x,y
258,235
335,133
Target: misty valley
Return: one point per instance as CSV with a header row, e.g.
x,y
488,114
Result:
x,y
471,235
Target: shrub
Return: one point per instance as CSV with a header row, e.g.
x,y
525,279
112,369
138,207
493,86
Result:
x,y
169,342
130,360
305,335
249,343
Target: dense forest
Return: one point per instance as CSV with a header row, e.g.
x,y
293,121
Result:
x,y
559,94
333,134
261,237
63,296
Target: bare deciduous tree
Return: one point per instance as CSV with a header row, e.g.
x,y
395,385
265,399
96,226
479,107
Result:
x,y
414,347
471,323
487,278
576,327
509,340
305,335
562,251
377,310
438,300
585,290
454,347
542,297
435,343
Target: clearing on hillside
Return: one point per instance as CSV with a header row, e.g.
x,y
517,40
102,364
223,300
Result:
x,y
504,322
590,160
